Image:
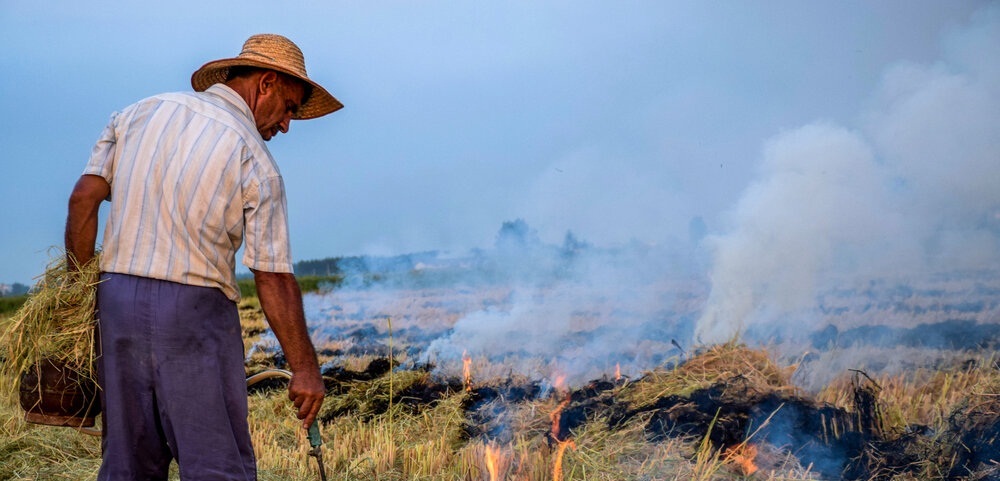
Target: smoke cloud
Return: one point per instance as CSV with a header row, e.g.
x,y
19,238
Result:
x,y
850,234
910,193
579,313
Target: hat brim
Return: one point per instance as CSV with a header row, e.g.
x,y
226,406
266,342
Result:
x,y
319,103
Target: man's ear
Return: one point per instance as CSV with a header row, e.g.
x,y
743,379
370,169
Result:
x,y
267,82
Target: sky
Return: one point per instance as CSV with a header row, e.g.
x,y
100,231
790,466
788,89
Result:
x,y
618,121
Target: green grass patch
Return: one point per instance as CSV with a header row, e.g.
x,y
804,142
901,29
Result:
x,y
12,303
306,283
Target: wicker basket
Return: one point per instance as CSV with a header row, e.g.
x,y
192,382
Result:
x,y
57,396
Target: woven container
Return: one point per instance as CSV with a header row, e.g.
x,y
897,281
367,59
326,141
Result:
x,y
53,395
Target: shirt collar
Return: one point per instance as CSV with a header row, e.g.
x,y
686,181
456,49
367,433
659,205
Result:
x,y
234,99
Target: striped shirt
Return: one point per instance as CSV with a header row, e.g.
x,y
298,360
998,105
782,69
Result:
x,y
190,178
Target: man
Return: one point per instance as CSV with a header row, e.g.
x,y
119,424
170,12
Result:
x,y
189,178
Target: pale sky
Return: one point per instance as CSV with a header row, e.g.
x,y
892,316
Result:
x,y
620,121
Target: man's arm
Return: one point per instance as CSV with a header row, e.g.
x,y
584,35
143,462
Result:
x,y
81,221
281,300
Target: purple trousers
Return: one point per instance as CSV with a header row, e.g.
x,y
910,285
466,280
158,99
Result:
x,y
172,382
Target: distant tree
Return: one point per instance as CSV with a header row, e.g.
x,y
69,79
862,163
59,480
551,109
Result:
x,y
572,245
329,266
516,235
18,289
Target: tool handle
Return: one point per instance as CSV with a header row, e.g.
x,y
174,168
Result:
x,y
314,438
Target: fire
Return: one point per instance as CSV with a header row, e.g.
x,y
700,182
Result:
x,y
492,455
557,464
742,456
496,461
559,382
618,371
559,387
556,415
467,370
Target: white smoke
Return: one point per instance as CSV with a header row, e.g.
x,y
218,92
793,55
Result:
x,y
909,191
913,191
606,308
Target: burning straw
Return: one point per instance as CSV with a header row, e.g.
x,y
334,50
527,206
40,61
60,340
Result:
x,y
718,363
56,323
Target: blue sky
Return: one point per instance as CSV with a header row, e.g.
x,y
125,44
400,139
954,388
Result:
x,y
620,121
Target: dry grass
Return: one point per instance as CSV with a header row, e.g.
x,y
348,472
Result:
x,y
44,453
375,436
55,323
718,363
924,397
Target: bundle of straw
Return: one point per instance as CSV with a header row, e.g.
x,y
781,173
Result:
x,y
56,323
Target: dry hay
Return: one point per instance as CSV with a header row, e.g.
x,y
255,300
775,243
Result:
x,y
695,421
28,451
717,363
940,424
972,436
731,413
963,444
55,323
723,397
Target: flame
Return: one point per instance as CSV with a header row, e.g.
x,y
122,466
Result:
x,y
559,382
742,456
559,385
556,415
467,370
492,454
557,464
496,460
618,371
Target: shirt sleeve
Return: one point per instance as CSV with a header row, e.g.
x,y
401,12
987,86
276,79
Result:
x,y
265,215
102,157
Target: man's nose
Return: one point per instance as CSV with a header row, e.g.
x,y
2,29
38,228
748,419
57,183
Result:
x,y
285,123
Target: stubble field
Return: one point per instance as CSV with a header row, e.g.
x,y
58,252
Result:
x,y
483,381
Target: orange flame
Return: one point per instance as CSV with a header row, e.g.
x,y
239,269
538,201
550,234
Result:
x,y
557,464
492,454
559,385
467,370
559,382
742,456
556,415
618,371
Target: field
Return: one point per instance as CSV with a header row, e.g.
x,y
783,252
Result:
x,y
483,381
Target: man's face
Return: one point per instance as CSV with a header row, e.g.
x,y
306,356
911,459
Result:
x,y
278,101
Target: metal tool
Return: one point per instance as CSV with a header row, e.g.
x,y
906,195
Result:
x,y
316,441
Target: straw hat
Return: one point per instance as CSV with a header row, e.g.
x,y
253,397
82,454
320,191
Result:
x,y
276,53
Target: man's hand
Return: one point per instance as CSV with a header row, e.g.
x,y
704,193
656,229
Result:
x,y
281,300
306,391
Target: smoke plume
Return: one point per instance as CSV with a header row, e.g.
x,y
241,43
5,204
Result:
x,y
850,236
910,193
